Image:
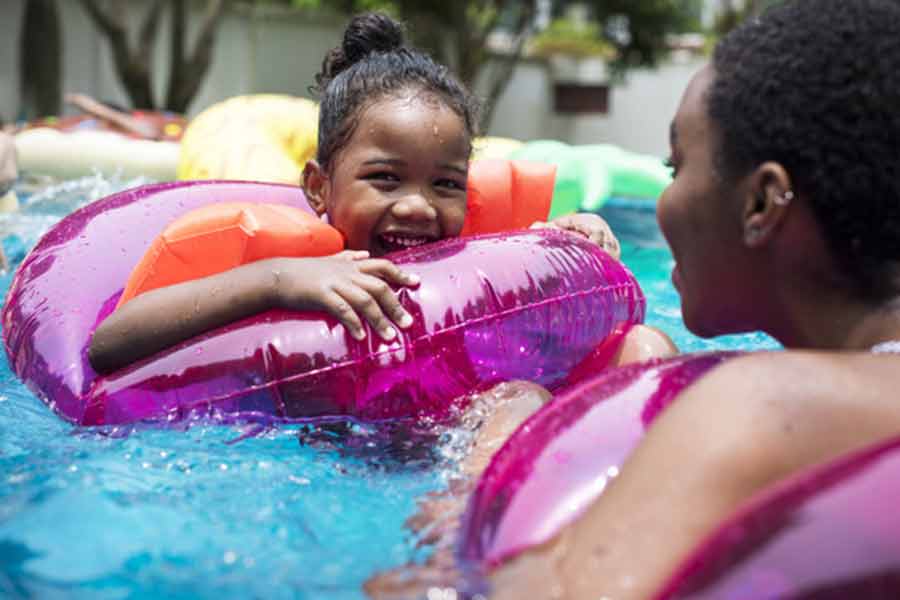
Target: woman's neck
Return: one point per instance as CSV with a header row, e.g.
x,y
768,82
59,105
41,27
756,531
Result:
x,y
830,318
816,305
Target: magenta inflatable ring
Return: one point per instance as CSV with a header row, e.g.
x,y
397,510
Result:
x,y
529,305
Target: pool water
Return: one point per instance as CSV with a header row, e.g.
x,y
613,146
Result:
x,y
207,511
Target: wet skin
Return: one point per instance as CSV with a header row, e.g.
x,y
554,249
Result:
x,y
400,181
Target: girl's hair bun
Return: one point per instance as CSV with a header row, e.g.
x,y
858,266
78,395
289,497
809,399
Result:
x,y
366,33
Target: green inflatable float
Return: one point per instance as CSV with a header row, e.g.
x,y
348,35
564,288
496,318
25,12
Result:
x,y
587,176
629,175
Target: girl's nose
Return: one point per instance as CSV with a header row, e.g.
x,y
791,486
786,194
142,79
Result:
x,y
414,206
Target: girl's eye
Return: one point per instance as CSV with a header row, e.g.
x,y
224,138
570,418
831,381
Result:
x,y
381,176
450,184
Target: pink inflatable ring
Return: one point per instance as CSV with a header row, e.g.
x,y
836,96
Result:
x,y
830,531
529,305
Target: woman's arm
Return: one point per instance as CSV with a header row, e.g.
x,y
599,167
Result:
x,y
346,285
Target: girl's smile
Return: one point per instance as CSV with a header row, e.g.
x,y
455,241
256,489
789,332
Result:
x,y
400,181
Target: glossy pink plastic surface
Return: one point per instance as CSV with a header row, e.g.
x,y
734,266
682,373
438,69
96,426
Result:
x,y
529,305
831,532
559,461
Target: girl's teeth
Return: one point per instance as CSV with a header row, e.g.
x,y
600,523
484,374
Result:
x,y
404,241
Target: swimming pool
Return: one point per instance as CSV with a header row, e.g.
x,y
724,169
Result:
x,y
204,513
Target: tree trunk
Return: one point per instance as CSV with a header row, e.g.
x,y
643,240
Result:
x,y
186,75
505,66
40,69
133,67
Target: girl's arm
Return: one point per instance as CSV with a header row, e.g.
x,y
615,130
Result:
x,y
346,285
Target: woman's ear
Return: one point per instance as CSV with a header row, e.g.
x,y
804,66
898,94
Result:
x,y
315,186
768,200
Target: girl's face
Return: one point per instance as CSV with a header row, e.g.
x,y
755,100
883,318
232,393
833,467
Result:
x,y
702,221
400,181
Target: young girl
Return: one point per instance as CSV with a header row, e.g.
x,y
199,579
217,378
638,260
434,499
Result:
x,y
395,136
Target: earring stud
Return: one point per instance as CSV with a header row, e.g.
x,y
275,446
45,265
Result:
x,y
785,198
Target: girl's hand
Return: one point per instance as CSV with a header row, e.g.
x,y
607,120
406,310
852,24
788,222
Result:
x,y
346,285
591,226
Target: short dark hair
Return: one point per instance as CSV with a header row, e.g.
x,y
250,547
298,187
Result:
x,y
372,62
815,86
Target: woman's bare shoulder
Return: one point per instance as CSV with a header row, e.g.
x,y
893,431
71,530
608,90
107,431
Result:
x,y
845,377
789,409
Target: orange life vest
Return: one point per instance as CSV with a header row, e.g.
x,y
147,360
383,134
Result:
x,y
502,196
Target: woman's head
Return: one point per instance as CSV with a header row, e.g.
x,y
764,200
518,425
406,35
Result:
x,y
395,134
798,113
814,86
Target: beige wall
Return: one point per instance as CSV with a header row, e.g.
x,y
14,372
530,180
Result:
x,y
281,53
640,108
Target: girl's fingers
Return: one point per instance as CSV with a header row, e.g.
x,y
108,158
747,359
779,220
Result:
x,y
386,298
365,304
605,239
388,271
543,225
337,306
353,254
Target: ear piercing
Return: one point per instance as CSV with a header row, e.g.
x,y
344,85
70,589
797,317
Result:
x,y
785,198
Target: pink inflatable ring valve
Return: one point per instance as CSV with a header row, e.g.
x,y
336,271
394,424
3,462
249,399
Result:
x,y
526,305
830,532
558,462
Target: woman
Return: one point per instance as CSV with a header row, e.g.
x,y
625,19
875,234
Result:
x,y
783,217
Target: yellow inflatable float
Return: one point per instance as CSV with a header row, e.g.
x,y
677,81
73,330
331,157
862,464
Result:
x,y
269,138
257,138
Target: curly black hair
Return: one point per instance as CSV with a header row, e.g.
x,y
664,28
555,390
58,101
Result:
x,y
815,86
372,62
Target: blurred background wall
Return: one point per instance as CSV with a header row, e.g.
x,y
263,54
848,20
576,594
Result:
x,y
280,51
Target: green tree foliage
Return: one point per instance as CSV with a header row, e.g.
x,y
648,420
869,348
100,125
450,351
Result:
x,y
639,29
731,13
456,32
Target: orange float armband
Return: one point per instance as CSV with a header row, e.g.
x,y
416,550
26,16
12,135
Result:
x,y
219,237
505,195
